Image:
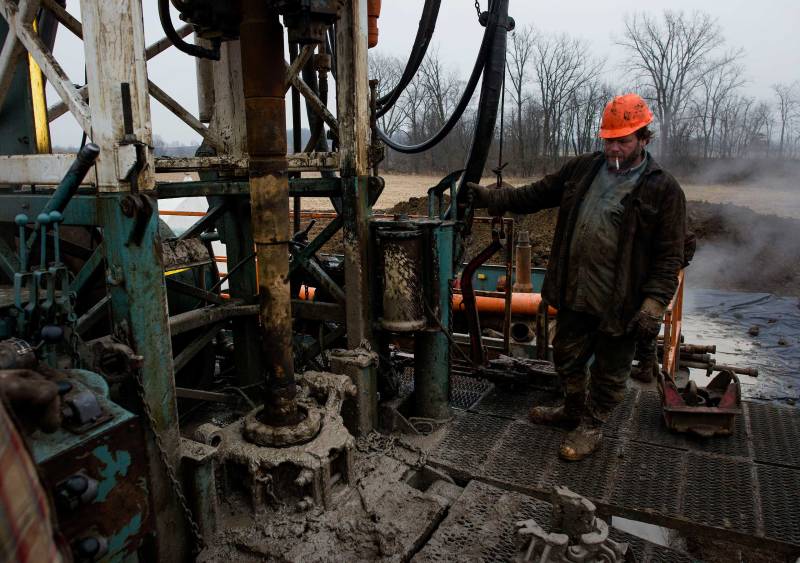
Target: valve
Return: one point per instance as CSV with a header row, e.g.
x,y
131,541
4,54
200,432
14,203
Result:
x,y
76,490
90,548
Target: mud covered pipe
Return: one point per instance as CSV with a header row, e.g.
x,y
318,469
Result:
x,y
263,72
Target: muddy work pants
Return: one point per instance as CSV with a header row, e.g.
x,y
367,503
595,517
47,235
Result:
x,y
577,344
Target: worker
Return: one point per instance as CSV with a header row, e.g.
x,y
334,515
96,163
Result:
x,y
613,268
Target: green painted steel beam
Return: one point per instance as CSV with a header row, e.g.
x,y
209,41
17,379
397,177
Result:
x,y
9,261
88,268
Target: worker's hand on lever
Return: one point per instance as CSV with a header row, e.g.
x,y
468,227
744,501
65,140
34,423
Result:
x,y
492,197
646,323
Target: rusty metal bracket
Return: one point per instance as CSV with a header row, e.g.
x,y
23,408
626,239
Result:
x,y
139,207
468,292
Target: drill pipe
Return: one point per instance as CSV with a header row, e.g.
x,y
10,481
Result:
x,y
263,71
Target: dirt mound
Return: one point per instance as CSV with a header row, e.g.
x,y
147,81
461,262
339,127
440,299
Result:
x,y
738,249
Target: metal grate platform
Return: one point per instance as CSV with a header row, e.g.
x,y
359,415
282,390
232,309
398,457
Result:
x,y
480,526
742,488
464,391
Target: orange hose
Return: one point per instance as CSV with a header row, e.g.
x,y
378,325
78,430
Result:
x,y
521,303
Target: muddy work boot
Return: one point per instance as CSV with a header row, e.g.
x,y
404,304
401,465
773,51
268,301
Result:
x,y
583,441
567,415
646,372
553,416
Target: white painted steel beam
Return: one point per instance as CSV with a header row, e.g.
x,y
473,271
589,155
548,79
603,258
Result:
x,y
113,39
41,169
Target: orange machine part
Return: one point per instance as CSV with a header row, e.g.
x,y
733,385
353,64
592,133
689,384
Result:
x,y
373,13
521,304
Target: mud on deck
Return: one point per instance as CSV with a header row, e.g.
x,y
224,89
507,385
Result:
x,y
741,488
456,495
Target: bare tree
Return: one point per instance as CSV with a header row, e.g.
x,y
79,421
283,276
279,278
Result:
x,y
562,68
441,93
716,86
518,59
788,103
588,104
670,55
386,69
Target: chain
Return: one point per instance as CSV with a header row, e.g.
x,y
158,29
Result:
x,y
173,479
478,9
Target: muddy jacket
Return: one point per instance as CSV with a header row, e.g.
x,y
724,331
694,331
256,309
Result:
x,y
652,233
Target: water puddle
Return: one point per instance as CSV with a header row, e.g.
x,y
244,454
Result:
x,y
725,318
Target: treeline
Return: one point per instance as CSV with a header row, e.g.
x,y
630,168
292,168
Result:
x,y
555,92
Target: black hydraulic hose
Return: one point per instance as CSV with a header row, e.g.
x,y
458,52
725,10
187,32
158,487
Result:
x,y
466,96
491,90
427,24
175,39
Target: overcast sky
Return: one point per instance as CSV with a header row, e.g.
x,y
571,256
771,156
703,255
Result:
x,y
766,30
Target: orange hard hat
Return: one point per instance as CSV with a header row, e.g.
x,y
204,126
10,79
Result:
x,y
624,115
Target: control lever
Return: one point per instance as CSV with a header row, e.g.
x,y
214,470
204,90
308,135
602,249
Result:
x,y
23,278
300,238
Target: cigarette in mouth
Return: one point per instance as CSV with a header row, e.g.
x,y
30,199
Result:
x,y
616,163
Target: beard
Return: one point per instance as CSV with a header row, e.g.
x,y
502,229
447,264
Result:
x,y
624,163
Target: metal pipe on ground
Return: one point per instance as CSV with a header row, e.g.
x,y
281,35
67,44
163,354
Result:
x,y
752,372
263,75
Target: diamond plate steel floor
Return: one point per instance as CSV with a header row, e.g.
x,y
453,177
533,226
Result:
x,y
464,391
743,488
480,526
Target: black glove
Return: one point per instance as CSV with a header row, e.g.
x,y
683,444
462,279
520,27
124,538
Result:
x,y
494,198
646,323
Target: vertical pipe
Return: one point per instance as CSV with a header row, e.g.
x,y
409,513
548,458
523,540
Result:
x,y
431,346
352,104
205,83
294,50
522,283
261,39
509,274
